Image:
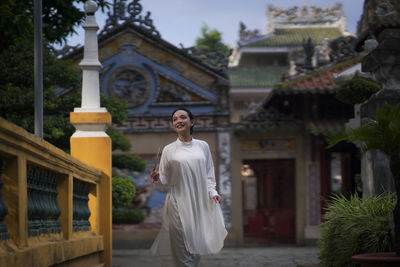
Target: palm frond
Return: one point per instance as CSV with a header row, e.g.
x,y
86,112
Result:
x,y
383,133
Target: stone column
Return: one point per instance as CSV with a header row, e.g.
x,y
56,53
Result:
x,y
384,64
224,173
90,143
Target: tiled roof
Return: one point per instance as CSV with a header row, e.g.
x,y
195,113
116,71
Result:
x,y
318,81
325,127
294,37
255,77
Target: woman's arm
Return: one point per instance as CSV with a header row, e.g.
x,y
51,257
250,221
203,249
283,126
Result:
x,y
162,172
211,184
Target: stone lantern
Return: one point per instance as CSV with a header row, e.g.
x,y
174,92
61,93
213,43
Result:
x,y
379,30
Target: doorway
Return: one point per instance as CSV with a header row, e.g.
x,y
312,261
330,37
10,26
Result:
x,y
269,200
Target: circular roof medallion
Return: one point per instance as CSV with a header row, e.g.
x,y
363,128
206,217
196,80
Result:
x,y
129,83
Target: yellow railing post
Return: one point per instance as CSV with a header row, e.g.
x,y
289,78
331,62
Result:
x,y
90,143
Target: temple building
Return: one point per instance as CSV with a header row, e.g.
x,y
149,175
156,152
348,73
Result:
x,y
264,117
262,60
283,104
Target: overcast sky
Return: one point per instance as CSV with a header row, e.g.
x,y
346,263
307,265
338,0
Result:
x,y
179,21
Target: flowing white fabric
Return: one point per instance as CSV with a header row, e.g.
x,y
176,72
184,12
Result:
x,y
188,170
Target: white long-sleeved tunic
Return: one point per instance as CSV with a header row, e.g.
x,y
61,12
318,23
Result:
x,y
188,170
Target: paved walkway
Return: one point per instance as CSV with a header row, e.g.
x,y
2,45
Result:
x,y
295,256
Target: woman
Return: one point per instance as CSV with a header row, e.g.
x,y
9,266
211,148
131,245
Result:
x,y
192,220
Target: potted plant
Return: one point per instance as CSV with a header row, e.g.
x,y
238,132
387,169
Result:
x,y
350,220
382,134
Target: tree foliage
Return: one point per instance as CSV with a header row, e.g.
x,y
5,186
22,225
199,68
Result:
x,y
17,73
58,19
356,91
383,133
119,141
129,161
17,95
210,40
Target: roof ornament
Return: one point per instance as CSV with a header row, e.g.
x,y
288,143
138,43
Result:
x,y
216,59
305,13
118,16
246,35
385,8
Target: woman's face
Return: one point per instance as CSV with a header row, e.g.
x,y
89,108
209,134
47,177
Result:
x,y
181,122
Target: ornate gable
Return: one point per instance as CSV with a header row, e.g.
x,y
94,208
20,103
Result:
x,y
154,76
151,87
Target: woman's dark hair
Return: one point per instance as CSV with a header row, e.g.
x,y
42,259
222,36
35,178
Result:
x,y
188,112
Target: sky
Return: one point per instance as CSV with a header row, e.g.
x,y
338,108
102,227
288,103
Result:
x,y
180,21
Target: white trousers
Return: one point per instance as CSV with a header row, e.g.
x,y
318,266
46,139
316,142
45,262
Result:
x,y
182,257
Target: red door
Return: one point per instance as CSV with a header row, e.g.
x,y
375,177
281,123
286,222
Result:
x,y
271,213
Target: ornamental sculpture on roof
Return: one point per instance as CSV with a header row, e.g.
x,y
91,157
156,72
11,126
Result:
x,y
305,13
129,13
247,34
216,59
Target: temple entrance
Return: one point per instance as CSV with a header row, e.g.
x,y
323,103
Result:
x,y
269,201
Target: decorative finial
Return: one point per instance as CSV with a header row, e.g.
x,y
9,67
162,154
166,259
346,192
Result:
x,y
133,10
90,7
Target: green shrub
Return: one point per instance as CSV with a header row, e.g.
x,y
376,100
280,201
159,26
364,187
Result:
x,y
356,91
126,216
129,161
123,191
119,140
355,226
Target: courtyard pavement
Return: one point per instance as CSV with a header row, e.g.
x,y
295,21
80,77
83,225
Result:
x,y
283,256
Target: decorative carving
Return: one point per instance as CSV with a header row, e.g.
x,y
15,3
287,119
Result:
x,y
305,14
264,145
129,83
133,10
172,91
162,124
216,59
342,48
383,61
224,171
246,35
313,186
384,8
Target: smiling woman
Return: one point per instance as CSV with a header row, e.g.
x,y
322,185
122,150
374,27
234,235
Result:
x,y
192,220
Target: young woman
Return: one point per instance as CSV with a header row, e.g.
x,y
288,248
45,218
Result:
x,y
192,221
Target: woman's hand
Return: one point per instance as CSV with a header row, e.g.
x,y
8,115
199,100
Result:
x,y
216,198
154,174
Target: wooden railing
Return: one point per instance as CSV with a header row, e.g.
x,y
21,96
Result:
x,y
49,204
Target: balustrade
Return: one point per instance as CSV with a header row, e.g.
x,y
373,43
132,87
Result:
x,y
81,211
43,208
47,193
3,207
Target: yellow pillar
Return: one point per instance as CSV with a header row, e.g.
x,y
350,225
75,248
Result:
x,y
90,143
93,147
